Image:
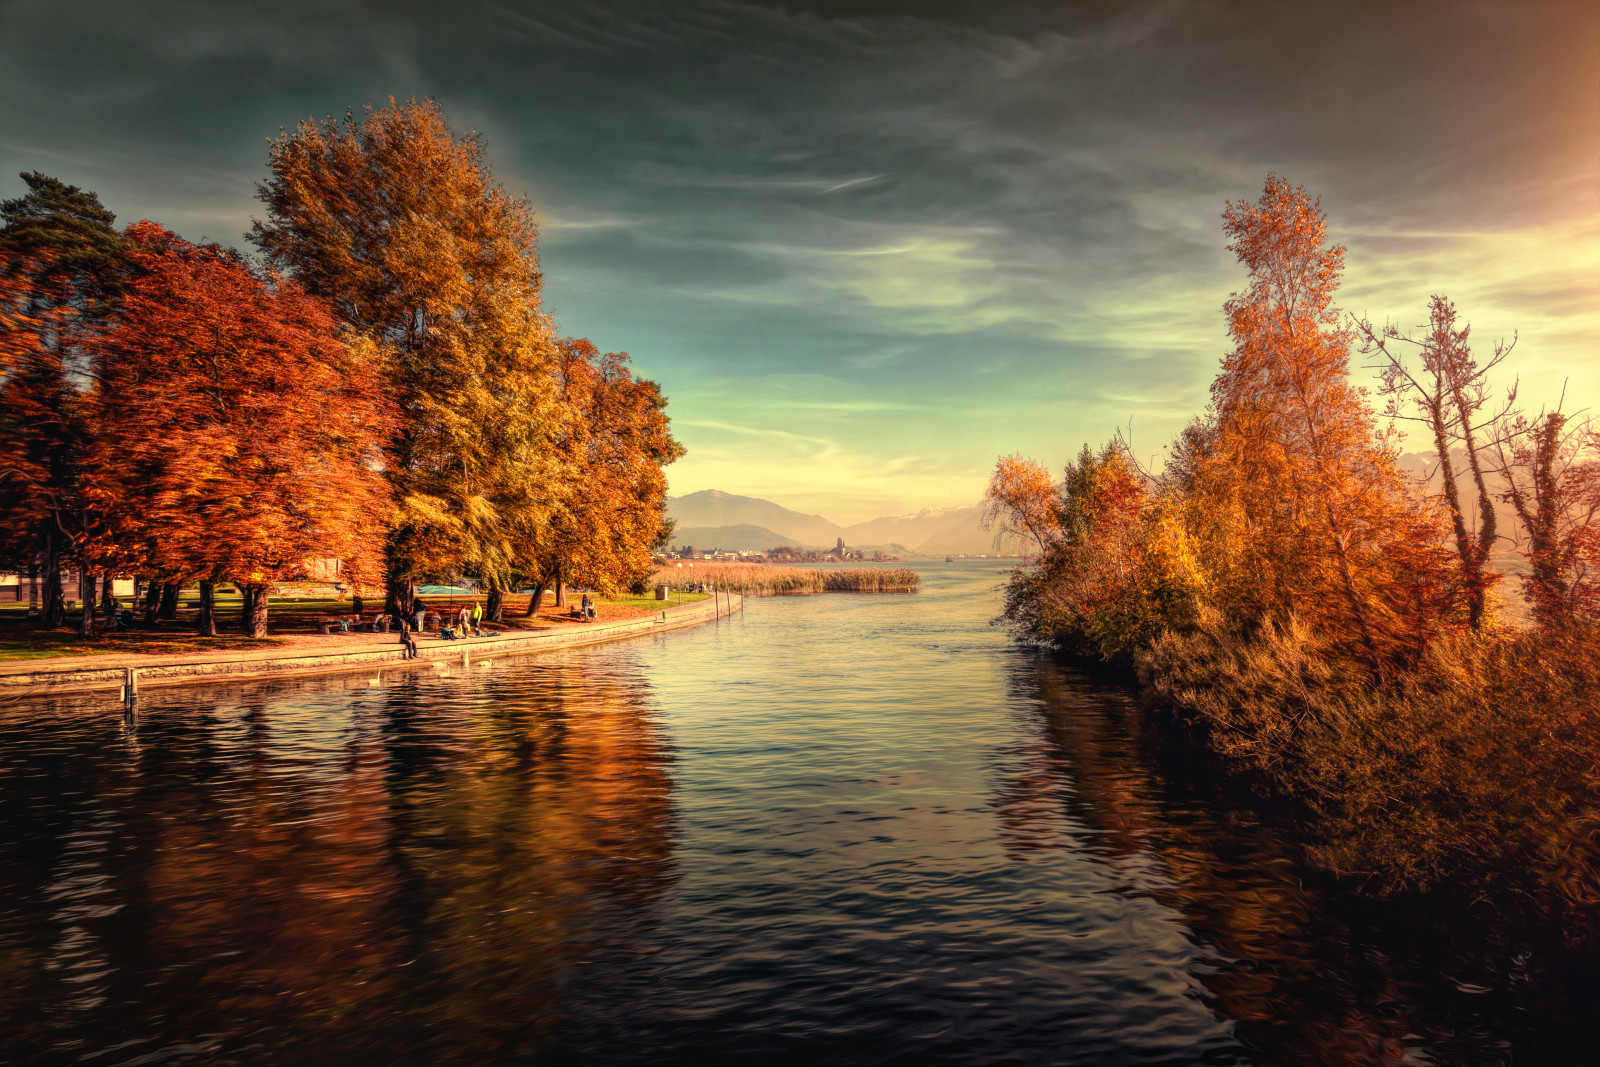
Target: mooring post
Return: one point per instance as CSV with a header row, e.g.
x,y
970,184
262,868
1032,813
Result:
x,y
130,688
466,659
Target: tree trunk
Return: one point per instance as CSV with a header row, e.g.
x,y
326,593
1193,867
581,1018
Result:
x,y
108,596
399,584
494,611
33,588
169,600
536,599
258,614
357,605
152,601
52,610
247,607
86,582
206,622
561,589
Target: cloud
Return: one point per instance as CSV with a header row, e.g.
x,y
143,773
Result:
x,y
868,246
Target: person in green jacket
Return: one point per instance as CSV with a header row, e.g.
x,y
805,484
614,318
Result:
x,y
477,619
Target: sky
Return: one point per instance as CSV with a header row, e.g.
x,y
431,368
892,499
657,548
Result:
x,y
867,248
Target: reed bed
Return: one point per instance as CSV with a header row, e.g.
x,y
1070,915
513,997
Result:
x,y
757,579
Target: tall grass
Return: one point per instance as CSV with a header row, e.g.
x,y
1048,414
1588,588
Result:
x,y
1477,770
758,579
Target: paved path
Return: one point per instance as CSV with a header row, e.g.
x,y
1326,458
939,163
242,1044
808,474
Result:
x,y
328,653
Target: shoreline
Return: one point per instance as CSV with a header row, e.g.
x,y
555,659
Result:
x,y
41,678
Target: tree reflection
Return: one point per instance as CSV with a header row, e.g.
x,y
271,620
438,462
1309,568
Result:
x,y
1306,976
325,870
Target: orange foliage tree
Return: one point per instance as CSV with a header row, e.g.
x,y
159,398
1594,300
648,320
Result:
x,y
616,446
1021,502
1333,533
241,435
398,223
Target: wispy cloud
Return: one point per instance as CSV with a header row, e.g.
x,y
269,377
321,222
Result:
x,y
864,254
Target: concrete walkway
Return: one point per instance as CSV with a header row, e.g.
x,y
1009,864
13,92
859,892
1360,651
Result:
x,y
330,654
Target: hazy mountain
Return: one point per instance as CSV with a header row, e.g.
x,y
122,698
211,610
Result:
x,y
910,529
965,534
714,519
714,508
741,538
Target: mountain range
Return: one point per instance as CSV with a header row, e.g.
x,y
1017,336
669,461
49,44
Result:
x,y
714,519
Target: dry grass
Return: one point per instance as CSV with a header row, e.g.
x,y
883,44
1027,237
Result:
x,y
1477,770
757,579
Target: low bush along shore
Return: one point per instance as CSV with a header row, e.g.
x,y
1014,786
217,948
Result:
x,y
758,579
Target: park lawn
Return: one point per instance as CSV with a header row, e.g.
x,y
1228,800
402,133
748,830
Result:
x,y
19,643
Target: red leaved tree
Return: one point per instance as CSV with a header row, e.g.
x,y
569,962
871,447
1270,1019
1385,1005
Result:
x,y
241,435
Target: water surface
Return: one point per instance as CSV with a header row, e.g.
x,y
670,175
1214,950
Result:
x,y
842,829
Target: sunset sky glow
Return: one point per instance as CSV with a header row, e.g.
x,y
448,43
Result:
x,y
866,248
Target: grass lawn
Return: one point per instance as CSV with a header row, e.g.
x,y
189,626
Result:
x,y
18,643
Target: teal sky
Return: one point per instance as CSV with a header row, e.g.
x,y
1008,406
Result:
x,y
866,248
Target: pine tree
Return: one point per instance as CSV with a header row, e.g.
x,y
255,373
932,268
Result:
x,y
62,257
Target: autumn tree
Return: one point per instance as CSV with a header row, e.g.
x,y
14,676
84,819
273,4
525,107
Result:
x,y
1448,391
615,447
1021,502
398,224
240,434
1550,466
61,256
1332,535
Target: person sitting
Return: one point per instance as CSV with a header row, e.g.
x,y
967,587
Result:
x,y
447,633
408,640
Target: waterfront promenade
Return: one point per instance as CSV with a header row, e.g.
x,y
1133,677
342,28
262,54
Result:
x,y
307,654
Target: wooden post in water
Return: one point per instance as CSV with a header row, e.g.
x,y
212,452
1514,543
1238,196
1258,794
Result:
x,y
130,689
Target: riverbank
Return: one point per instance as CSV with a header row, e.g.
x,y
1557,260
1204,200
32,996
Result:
x,y
310,654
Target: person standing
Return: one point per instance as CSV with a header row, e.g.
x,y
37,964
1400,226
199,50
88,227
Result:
x,y
477,618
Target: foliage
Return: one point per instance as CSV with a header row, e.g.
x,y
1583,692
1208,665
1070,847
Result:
x,y
614,446
1322,624
1479,767
1021,502
168,410
232,410
61,259
1551,469
398,223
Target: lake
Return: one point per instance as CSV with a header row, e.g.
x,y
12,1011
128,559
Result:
x,y
833,829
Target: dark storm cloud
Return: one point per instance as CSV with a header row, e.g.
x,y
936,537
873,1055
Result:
x,y
1002,217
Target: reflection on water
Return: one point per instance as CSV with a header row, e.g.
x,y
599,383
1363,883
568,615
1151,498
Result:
x,y
841,829
417,869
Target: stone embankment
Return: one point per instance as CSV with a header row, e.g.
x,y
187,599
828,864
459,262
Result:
x,y
43,678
